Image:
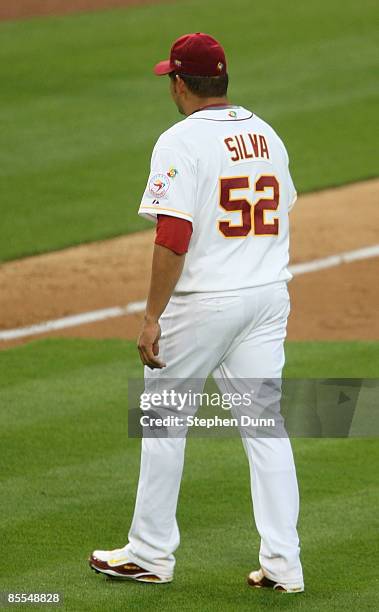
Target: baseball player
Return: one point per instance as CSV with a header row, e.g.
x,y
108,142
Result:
x,y
220,192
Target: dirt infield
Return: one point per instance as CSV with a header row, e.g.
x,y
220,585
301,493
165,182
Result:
x,y
20,9
337,303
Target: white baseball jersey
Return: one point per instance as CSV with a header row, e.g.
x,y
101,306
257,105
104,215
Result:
x,y
225,170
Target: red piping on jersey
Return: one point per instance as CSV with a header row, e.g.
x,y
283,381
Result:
x,y
214,106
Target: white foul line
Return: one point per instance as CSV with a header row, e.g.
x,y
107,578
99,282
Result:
x,y
133,307
72,321
334,260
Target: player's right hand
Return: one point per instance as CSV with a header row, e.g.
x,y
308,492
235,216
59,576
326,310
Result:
x,y
148,345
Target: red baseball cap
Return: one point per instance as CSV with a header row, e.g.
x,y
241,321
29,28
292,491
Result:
x,y
194,54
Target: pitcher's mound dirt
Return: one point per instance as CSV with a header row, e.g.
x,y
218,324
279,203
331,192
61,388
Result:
x,y
337,303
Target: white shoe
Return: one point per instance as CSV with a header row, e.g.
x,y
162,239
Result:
x,y
258,580
116,564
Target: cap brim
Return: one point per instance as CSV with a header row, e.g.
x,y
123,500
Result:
x,y
163,68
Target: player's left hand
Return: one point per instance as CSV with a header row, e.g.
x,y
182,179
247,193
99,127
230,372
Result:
x,y
148,345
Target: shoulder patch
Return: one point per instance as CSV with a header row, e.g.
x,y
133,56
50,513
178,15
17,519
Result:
x,y
159,185
172,172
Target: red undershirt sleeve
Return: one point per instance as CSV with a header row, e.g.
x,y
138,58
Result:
x,y
173,233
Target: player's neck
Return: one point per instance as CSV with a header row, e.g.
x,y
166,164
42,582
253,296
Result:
x,y
198,104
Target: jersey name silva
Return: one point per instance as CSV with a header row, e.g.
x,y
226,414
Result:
x,y
246,146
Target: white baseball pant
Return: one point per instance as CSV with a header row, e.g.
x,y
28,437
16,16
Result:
x,y
233,335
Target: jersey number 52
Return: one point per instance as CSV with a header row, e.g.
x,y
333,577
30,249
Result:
x,y
252,216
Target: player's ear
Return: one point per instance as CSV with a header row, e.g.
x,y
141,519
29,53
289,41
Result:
x,y
180,84
173,81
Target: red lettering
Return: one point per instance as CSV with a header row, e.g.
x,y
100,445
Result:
x,y
264,147
239,147
254,143
242,205
261,227
232,149
245,152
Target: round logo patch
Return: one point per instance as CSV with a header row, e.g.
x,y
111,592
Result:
x,y
159,185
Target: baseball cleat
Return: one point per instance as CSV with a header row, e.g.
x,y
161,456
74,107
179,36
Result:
x,y
259,581
114,563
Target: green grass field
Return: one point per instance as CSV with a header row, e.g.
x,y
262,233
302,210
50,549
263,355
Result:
x,y
69,473
80,109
